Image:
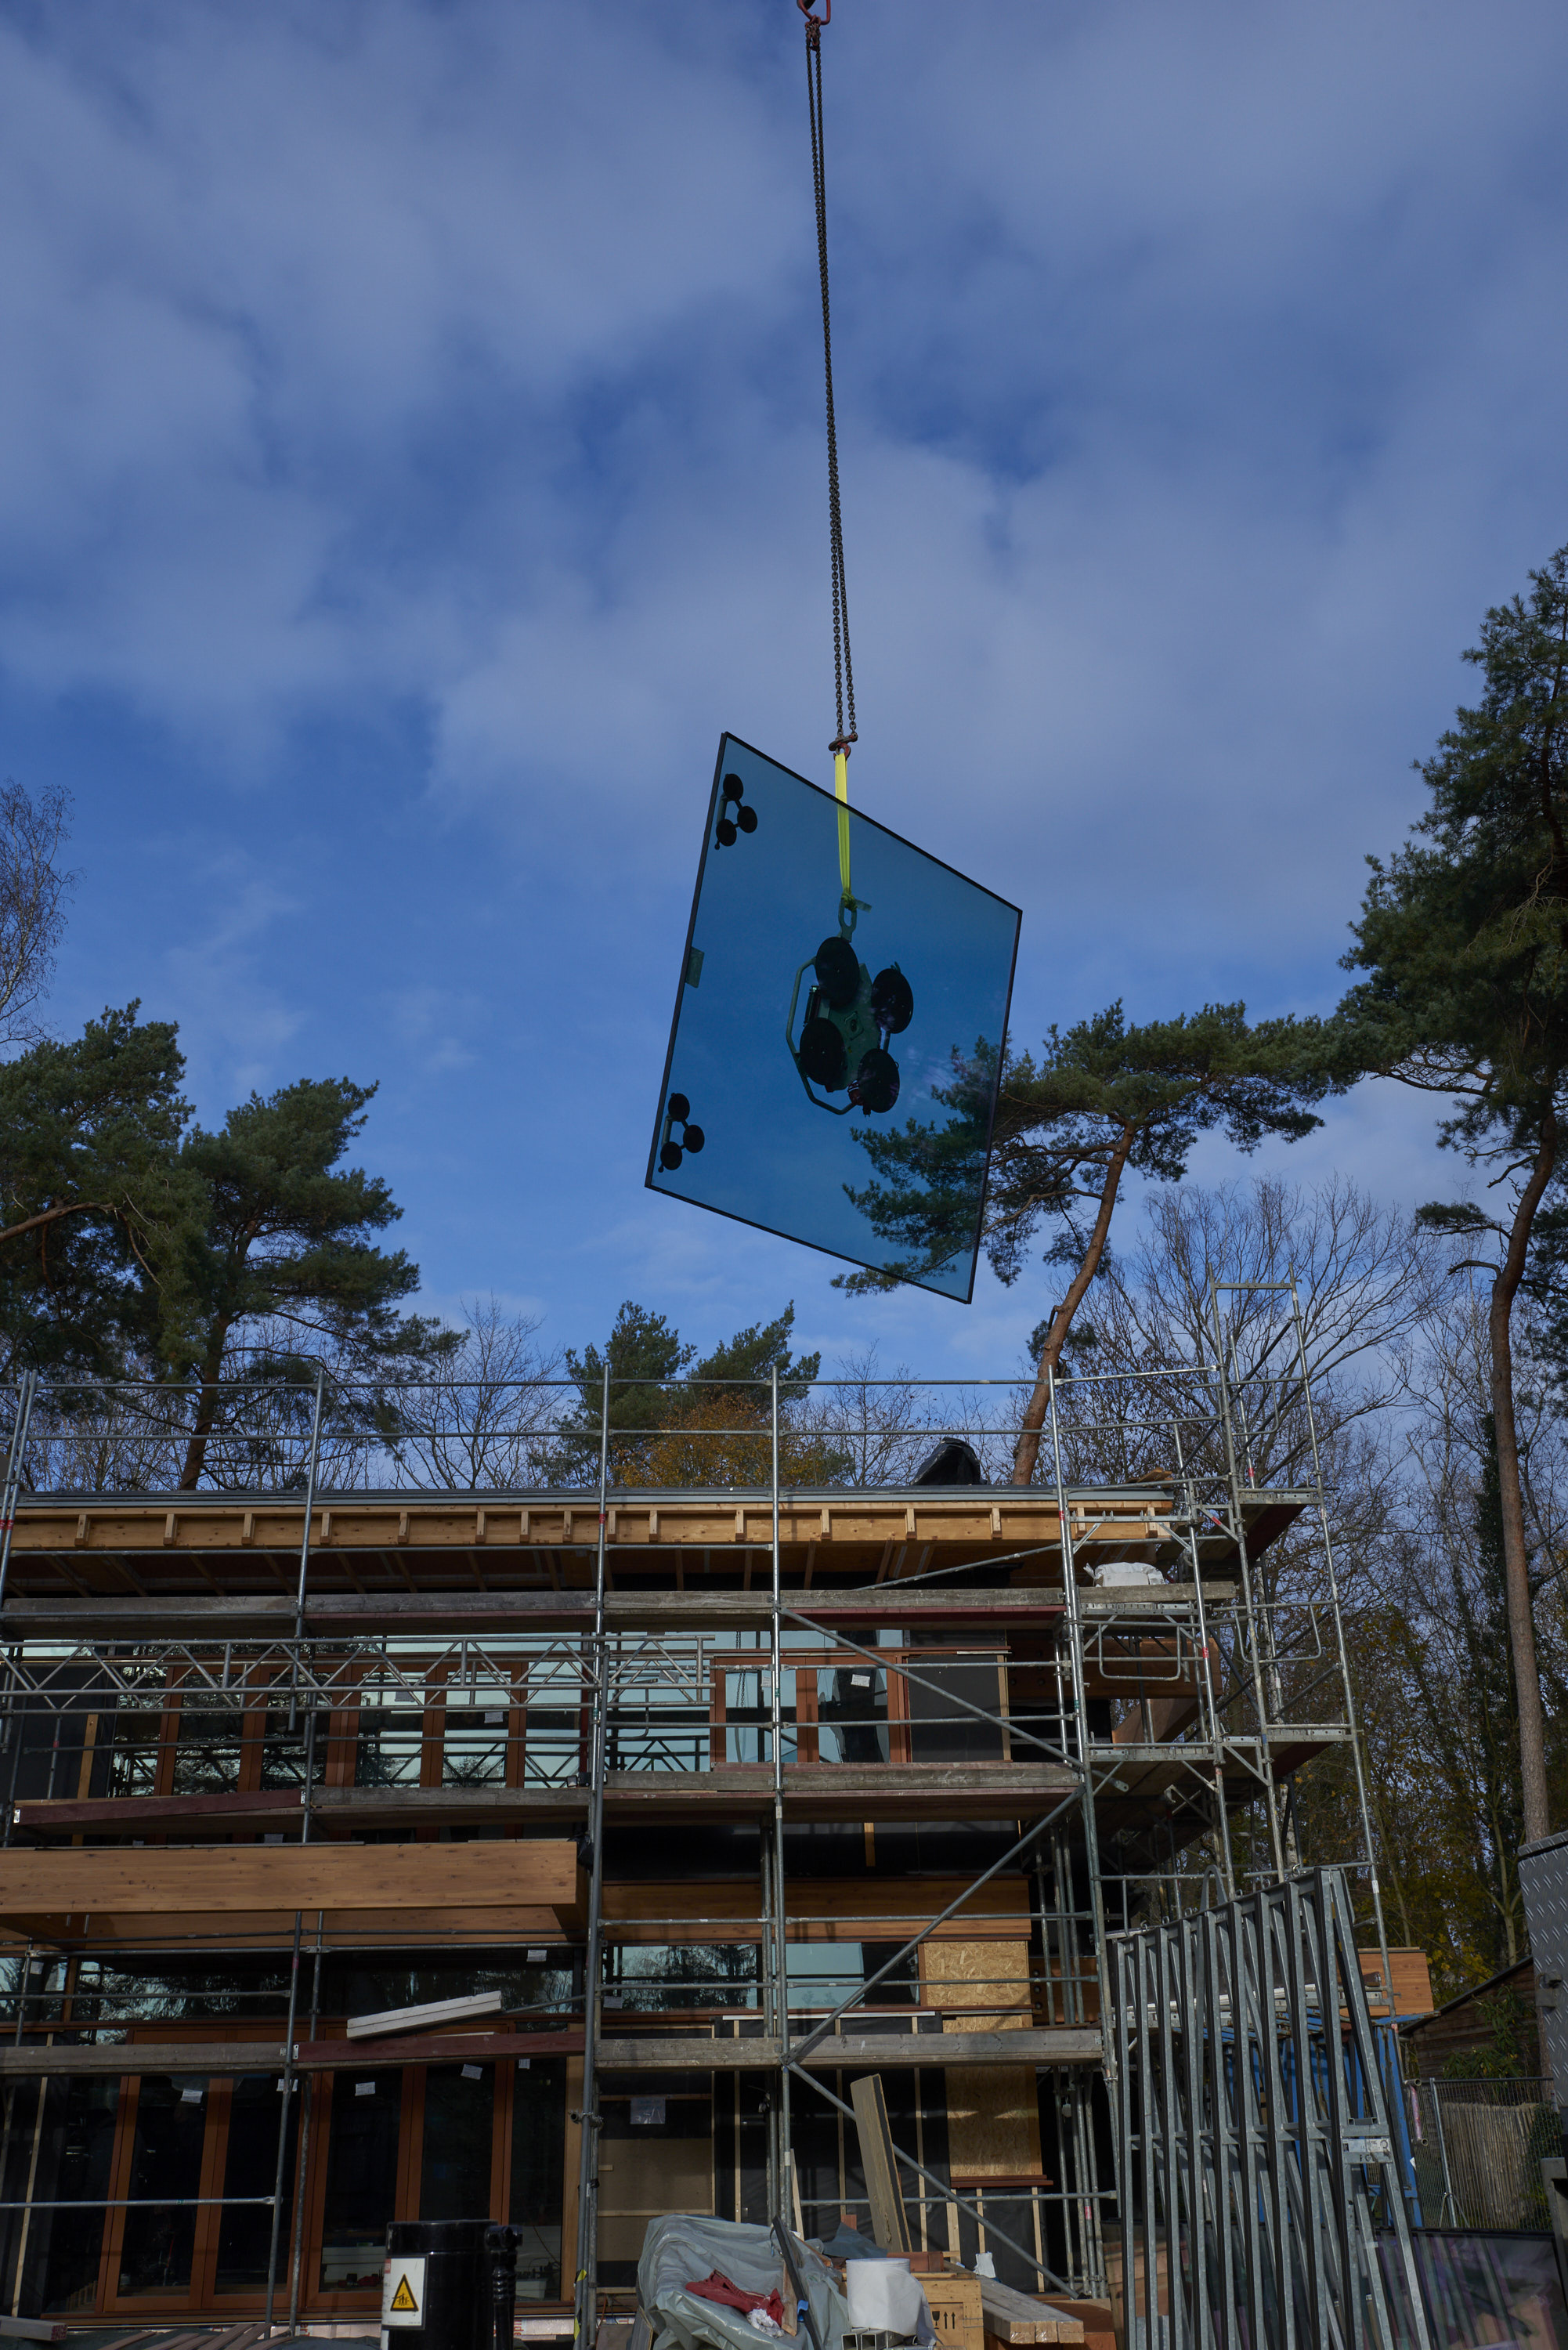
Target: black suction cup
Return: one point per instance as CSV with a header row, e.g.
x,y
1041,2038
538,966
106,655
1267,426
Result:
x,y
877,1080
679,1109
669,1158
821,1055
892,1001
746,819
695,1137
725,832
734,790
837,973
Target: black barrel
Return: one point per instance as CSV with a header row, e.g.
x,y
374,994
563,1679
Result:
x,y
448,2284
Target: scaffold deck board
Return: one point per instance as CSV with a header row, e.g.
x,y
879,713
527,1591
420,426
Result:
x,y
655,2052
205,1613
930,1791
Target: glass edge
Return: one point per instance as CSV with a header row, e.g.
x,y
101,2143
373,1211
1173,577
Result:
x,y
648,1182
902,838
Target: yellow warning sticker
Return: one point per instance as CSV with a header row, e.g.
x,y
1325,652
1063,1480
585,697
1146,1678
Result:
x,y
402,2292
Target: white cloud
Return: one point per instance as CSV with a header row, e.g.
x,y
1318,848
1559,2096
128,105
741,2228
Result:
x,y
452,368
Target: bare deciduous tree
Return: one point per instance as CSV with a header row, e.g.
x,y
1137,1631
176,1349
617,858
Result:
x,y
33,888
482,1417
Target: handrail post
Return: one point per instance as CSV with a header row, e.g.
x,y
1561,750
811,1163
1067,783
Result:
x,y
585,2295
304,1548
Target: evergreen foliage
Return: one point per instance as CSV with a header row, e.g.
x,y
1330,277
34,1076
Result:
x,y
97,1207
1464,937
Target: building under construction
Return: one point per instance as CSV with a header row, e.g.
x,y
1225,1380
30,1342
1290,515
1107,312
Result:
x,y
390,1836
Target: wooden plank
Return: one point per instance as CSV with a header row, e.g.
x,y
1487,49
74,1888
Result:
x,y
361,1877
845,1519
125,2057
1012,2318
884,2050
880,2165
822,1910
129,1814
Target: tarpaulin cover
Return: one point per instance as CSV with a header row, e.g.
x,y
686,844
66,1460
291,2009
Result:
x,y
681,2247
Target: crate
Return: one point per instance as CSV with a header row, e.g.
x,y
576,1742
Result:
x,y
957,2313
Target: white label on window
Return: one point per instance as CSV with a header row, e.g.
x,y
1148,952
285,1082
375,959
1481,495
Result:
x,y
524,2063
364,2089
491,1719
859,1681
402,2288
537,1958
473,2073
189,2097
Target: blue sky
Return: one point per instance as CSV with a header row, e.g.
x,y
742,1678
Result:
x,y
411,461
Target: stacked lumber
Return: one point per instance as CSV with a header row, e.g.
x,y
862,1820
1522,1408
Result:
x,y
1017,2320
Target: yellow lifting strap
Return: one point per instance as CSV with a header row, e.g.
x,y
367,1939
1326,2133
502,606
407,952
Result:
x,y
841,794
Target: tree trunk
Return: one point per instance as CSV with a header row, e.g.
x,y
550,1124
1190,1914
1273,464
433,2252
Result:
x,y
1026,1451
1516,1573
206,1412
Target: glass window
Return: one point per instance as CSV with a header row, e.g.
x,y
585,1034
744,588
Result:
x,y
250,2169
942,1730
75,2156
473,1748
361,2177
455,2163
823,1974
392,1739
539,2137
832,1062
852,1711
283,1749
207,1754
165,2180
672,1975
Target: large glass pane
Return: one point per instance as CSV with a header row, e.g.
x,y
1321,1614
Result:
x,y
250,2170
74,2157
538,2119
852,1709
833,1064
165,2180
207,1754
455,2163
473,1749
361,2177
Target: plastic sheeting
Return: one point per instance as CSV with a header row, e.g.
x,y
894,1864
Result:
x,y
681,2249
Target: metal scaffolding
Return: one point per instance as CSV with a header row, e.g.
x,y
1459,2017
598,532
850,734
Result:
x,y
1140,1740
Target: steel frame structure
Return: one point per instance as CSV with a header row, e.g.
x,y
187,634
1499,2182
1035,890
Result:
x,y
1210,1668
1253,2131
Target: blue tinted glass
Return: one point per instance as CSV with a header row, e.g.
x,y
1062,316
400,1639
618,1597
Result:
x,y
833,1064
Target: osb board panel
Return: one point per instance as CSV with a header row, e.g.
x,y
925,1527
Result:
x,y
996,1971
367,1877
993,2121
